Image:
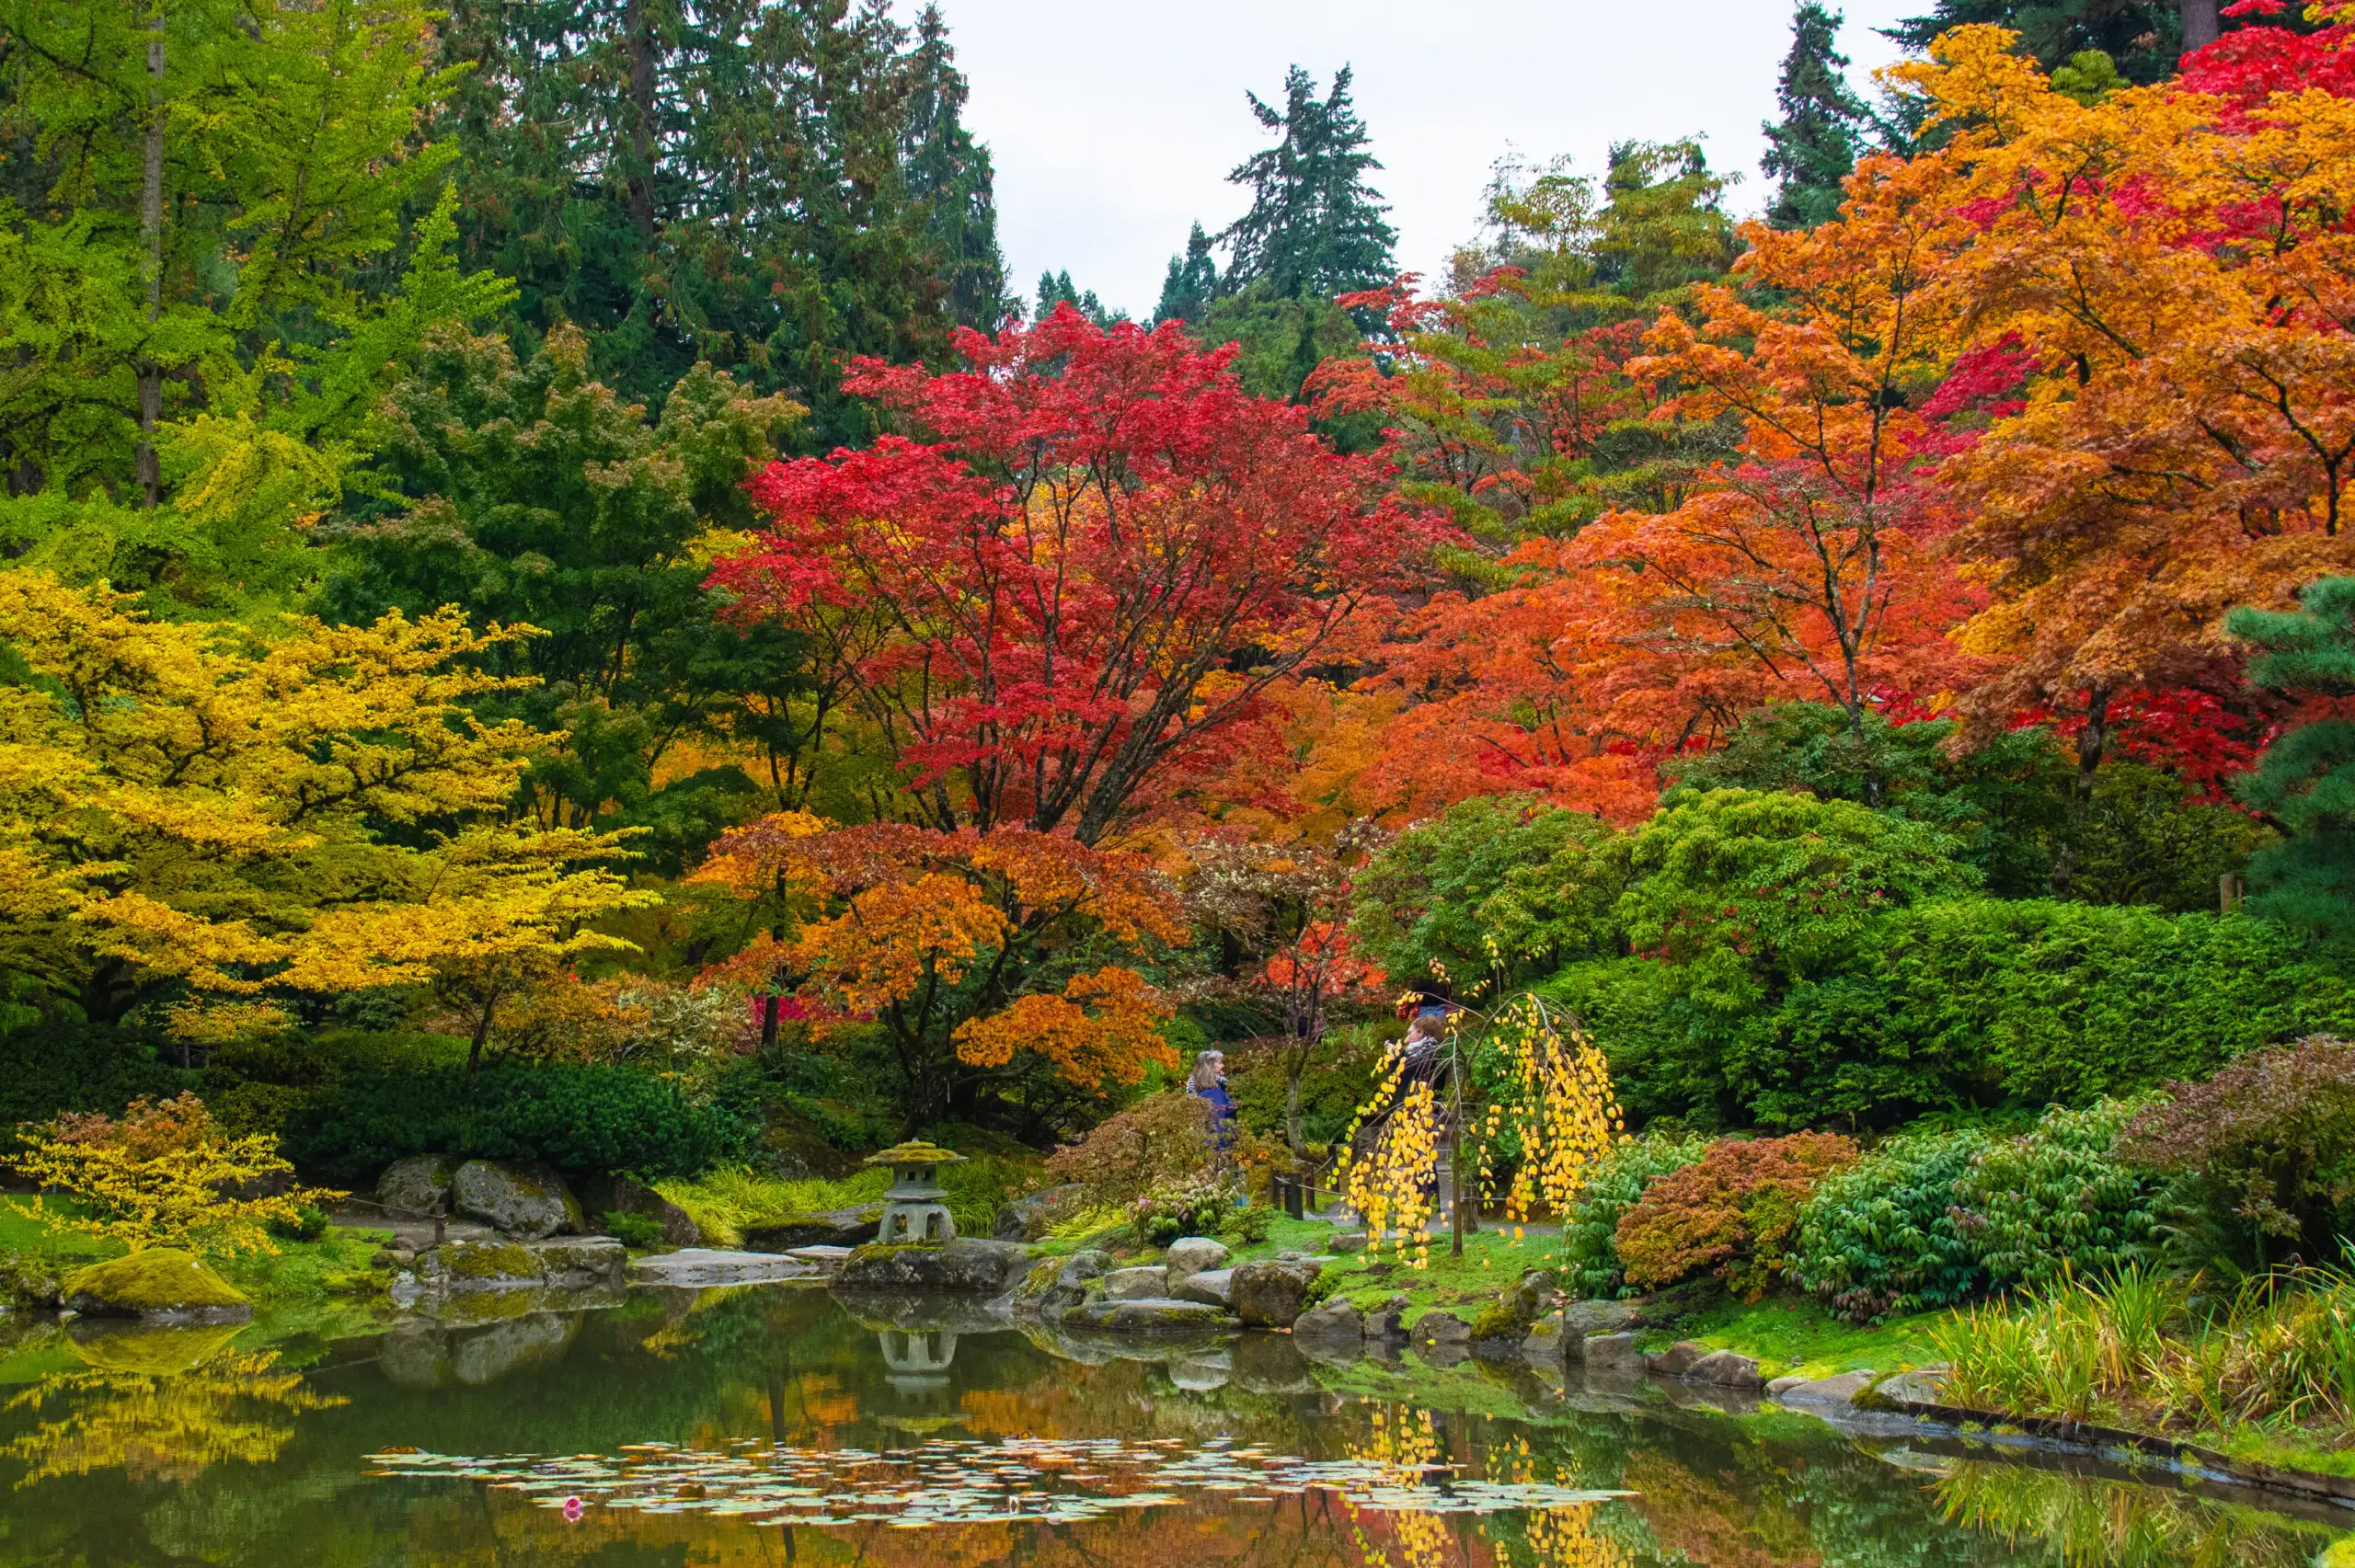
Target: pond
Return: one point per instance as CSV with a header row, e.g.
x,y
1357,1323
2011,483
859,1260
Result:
x,y
770,1425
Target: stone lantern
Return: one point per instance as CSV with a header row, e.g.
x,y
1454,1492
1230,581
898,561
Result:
x,y
912,1211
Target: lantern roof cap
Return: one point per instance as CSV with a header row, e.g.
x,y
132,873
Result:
x,y
916,1153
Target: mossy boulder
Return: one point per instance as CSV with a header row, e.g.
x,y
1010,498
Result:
x,y
572,1263
530,1201
418,1186
156,1284
832,1228
1506,1321
1053,1286
965,1267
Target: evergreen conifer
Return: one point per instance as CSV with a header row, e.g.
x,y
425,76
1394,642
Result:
x,y
1813,148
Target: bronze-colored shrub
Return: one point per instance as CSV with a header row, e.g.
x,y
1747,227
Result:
x,y
1736,1212
1163,1140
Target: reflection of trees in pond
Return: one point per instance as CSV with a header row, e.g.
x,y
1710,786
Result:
x,y
2090,1520
1406,1441
159,1405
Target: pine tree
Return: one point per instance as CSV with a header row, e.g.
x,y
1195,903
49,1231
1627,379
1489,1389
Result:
x,y
1192,282
949,173
715,182
1316,227
2306,779
1813,148
1055,289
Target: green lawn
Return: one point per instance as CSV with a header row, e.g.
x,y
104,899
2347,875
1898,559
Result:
x,y
337,1263
1797,1334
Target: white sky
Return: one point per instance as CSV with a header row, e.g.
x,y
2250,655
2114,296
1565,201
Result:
x,y
1113,122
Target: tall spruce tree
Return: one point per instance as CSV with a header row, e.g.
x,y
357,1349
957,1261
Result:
x,y
1813,147
1192,282
1055,289
949,174
691,181
1316,227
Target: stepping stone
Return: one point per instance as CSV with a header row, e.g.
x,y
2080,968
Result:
x,y
822,1254
711,1265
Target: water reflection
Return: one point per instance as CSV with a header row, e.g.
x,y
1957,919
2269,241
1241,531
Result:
x,y
1002,1444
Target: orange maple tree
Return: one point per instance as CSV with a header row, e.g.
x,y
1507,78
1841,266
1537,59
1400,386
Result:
x,y
978,956
2175,264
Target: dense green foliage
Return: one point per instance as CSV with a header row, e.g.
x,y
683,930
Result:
x,y
1591,1231
1813,147
2058,1202
1883,1237
2306,779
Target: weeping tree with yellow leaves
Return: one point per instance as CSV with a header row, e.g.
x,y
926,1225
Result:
x,y
196,815
1517,1098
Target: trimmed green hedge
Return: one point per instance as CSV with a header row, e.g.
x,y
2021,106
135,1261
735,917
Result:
x,y
1961,1004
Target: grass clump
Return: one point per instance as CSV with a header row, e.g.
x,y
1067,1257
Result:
x,y
2274,1360
729,1200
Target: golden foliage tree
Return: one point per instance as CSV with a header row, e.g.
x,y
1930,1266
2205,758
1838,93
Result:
x,y
195,807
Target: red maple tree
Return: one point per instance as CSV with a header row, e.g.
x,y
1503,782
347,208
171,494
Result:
x,y
1084,576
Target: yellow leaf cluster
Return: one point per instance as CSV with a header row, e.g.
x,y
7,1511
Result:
x,y
196,802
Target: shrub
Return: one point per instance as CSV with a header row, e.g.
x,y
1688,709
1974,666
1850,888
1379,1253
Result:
x,y
1735,1212
1160,1143
1249,1227
47,1069
1882,1236
307,1223
2269,1147
2058,1202
1199,1208
582,1120
163,1176
639,1230
1590,1232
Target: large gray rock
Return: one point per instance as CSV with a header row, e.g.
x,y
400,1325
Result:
x,y
530,1201
1906,1390
1440,1327
695,1267
966,1266
1582,1318
832,1228
1349,1242
1030,1219
1141,1284
1831,1392
1145,1317
1386,1325
1545,1341
1678,1359
1725,1369
1612,1353
1336,1319
1507,1323
1213,1287
459,1268
1054,1285
1190,1255
1272,1294
416,1187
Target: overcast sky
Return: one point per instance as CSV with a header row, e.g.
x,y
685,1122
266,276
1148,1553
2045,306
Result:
x,y
1113,122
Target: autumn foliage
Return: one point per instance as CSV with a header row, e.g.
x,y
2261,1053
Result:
x,y
963,947
1734,1213
1097,560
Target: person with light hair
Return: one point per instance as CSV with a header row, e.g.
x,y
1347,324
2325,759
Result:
x,y
1207,1083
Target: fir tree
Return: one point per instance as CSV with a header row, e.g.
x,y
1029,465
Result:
x,y
689,182
1055,289
949,173
2306,779
1192,282
1316,227
1813,148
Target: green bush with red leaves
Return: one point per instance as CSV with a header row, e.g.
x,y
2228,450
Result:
x,y
1735,1213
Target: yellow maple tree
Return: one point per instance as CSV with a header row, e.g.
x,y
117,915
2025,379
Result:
x,y
202,807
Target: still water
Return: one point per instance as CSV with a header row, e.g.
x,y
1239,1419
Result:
x,y
771,1426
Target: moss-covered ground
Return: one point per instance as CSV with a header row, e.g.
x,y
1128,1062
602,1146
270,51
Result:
x,y
33,1234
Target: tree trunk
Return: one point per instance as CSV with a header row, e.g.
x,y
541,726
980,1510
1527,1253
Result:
x,y
1292,1103
2093,742
2201,23
638,27
148,469
482,1032
771,1005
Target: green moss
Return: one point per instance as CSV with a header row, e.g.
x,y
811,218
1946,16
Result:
x,y
154,1279
510,1261
1798,1335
